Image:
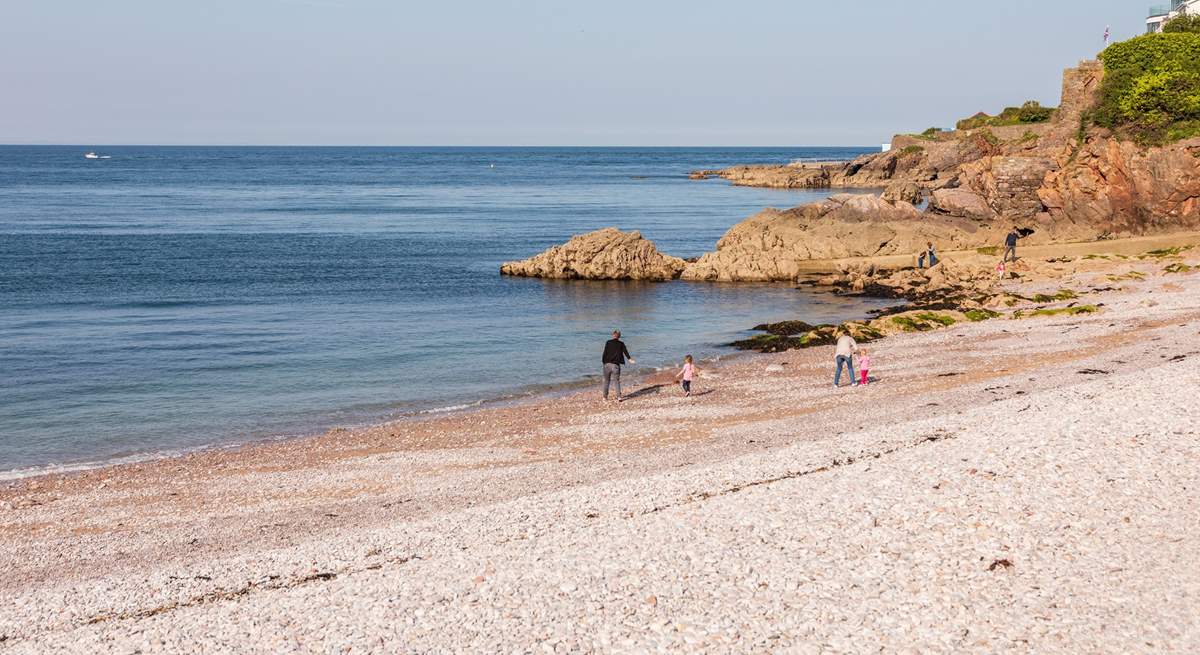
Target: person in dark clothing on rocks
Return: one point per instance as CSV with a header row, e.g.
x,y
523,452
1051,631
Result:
x,y
928,257
1010,244
615,354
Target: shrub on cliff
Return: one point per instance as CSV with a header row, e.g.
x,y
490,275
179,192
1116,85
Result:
x,y
1183,23
1030,112
1151,88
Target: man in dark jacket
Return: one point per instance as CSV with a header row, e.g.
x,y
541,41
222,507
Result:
x,y
1010,244
614,357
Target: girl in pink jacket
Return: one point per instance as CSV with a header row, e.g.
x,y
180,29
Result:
x,y
864,363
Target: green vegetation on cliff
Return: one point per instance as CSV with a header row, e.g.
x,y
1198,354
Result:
x,y
1030,112
1151,88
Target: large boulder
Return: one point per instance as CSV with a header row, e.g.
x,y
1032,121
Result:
x,y
606,254
962,203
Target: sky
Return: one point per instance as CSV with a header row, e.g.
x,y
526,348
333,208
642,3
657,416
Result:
x,y
535,72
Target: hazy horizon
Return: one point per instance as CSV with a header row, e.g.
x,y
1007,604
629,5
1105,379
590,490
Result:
x,y
374,73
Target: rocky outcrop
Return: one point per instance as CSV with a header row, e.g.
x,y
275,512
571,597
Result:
x,y
907,172
1009,184
607,254
790,176
771,244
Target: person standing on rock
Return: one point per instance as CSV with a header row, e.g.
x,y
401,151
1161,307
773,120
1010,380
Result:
x,y
1010,244
846,347
614,357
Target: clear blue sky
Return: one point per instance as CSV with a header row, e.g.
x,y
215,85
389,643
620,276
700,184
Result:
x,y
539,72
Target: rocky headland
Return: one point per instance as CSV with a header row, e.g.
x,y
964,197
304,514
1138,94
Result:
x,y
1063,179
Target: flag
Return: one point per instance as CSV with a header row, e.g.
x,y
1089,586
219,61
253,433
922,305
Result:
x,y
1106,32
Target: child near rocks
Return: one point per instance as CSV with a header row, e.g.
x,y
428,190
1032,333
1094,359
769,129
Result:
x,y
1001,268
864,364
686,374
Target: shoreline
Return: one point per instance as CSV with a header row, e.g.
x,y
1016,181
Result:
x,y
547,392
158,550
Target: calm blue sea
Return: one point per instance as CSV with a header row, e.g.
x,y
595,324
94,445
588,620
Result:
x,y
169,298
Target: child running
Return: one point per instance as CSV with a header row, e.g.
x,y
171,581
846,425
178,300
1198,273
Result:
x,y
687,373
864,364
1000,269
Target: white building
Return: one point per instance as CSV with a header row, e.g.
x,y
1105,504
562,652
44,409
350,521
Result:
x,y
1160,14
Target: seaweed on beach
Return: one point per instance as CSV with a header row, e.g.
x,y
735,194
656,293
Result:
x,y
1074,310
981,314
941,306
1164,253
1062,294
785,328
784,336
1131,275
923,321
768,343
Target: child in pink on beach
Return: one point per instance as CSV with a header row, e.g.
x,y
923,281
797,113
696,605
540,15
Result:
x,y
864,364
1000,269
687,373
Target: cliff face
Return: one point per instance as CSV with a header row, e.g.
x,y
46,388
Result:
x,y
607,254
1122,188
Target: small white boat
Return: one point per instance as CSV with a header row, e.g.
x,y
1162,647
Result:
x,y
90,155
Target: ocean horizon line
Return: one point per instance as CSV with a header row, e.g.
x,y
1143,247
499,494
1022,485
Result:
x,y
431,146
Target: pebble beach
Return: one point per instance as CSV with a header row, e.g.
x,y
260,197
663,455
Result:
x,y
1012,485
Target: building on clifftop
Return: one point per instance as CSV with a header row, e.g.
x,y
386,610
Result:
x,y
1160,14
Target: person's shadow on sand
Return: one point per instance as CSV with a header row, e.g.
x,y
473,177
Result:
x,y
644,391
655,389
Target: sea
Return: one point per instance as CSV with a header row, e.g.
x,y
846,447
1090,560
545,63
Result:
x,y
157,300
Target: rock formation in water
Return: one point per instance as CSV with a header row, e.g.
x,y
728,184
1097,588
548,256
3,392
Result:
x,y
607,254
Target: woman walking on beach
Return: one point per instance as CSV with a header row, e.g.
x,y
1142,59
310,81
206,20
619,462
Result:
x,y
614,357
846,347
